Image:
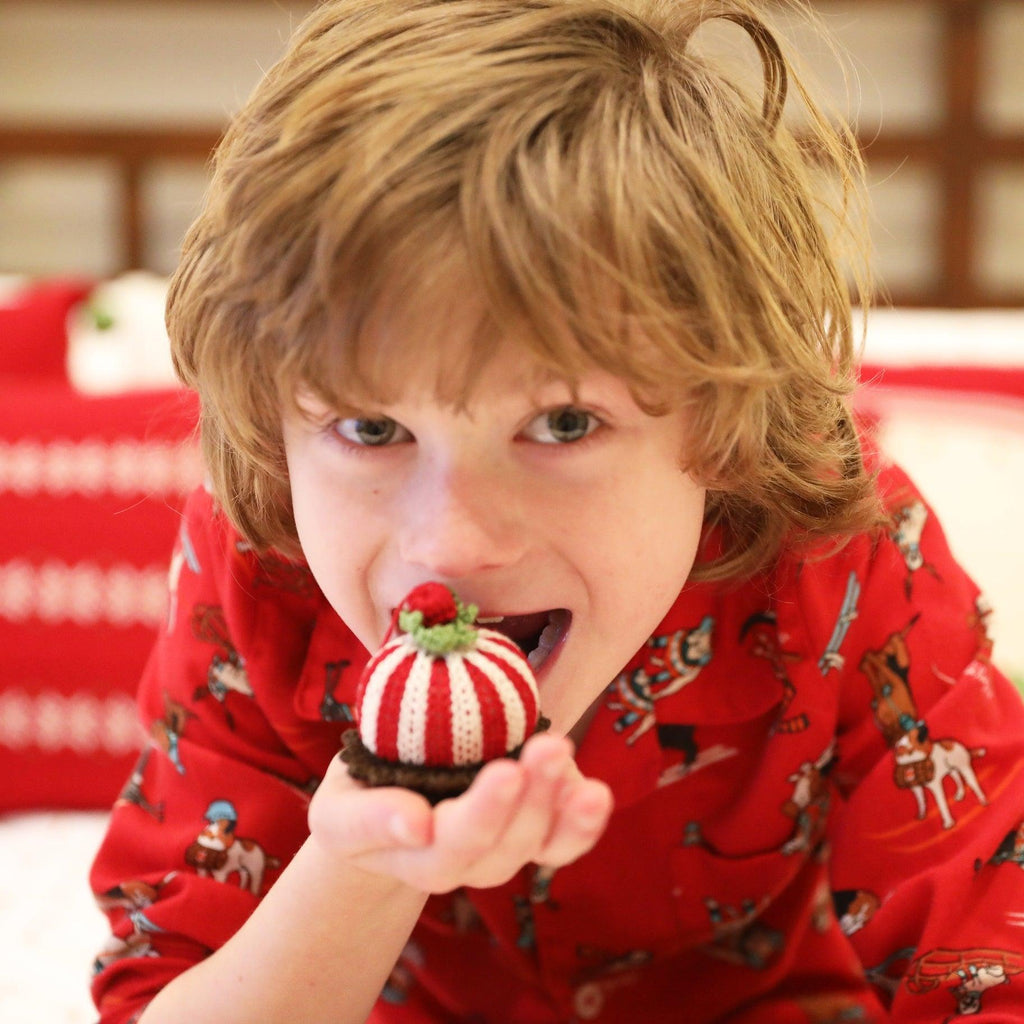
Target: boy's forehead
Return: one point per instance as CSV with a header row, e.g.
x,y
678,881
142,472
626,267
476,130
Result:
x,y
450,363
432,331
444,341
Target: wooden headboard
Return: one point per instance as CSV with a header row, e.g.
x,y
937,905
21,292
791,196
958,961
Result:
x,y
130,150
957,151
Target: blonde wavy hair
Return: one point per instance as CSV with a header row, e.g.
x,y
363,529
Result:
x,y
605,185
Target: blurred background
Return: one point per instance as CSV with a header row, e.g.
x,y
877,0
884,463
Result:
x,y
108,110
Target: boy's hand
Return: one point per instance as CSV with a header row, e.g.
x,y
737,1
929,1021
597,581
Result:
x,y
538,809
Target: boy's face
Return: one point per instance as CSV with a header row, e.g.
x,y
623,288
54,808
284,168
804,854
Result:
x,y
556,512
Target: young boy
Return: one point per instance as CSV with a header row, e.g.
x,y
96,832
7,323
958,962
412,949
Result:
x,y
528,298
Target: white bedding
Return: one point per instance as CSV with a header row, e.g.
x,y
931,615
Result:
x,y
967,455
51,928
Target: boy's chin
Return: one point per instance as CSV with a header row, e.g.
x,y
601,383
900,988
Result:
x,y
569,710
581,723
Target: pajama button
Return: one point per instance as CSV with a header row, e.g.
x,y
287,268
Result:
x,y
588,1001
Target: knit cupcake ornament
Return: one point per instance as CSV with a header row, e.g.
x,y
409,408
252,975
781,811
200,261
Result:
x,y
440,699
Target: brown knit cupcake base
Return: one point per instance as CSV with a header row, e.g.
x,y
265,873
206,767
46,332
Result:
x,y
435,784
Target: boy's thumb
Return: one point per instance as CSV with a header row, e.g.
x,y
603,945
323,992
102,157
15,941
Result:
x,y
349,818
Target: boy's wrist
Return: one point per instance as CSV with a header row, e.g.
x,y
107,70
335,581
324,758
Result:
x,y
318,947
322,861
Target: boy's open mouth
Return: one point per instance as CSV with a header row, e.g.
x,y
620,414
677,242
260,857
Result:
x,y
536,634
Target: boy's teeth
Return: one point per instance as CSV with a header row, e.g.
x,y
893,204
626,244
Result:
x,y
549,636
543,630
536,657
545,645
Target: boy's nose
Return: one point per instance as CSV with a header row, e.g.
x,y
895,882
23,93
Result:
x,y
460,521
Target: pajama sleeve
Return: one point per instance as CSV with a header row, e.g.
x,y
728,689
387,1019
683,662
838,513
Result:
x,y
928,848
216,805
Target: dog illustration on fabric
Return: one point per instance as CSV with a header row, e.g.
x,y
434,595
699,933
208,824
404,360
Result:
x,y
728,920
218,853
671,662
742,940
854,908
167,732
132,794
133,897
809,801
922,764
226,674
888,671
908,523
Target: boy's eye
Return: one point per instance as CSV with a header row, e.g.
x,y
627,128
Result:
x,y
562,426
371,432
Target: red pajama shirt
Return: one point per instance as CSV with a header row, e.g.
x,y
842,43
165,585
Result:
x,y
819,802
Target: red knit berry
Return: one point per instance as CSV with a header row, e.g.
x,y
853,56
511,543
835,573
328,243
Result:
x,y
435,601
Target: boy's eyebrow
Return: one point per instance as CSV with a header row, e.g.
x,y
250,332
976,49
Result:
x,y
314,401
550,381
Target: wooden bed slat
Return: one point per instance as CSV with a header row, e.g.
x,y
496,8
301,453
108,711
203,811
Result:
x,y
960,150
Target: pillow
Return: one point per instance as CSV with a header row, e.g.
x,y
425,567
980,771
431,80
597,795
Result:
x,y
33,328
90,495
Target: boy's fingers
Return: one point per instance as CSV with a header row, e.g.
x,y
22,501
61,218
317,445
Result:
x,y
548,768
466,831
581,820
357,820
469,827
537,809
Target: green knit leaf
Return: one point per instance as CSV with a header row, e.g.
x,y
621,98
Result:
x,y
446,637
